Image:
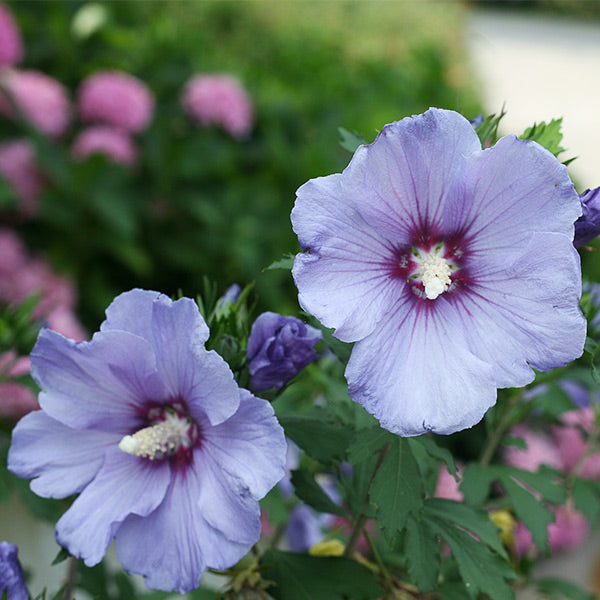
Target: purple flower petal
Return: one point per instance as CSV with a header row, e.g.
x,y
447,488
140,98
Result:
x,y
101,384
347,258
401,181
60,460
249,444
188,543
125,485
441,386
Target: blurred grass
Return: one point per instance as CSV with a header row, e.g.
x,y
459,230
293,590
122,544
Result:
x,y
200,203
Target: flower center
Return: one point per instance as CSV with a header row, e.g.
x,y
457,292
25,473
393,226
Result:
x,y
161,439
434,271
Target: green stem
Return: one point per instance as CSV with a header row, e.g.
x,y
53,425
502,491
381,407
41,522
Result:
x,y
70,578
361,521
496,437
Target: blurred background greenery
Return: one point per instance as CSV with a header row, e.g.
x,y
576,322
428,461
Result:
x,y
198,202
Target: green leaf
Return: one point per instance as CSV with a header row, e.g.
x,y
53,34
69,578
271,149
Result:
x,y
367,442
586,494
546,481
322,440
341,349
481,569
397,488
286,263
309,491
424,444
304,577
476,483
534,514
548,135
61,556
422,551
559,588
488,130
477,522
350,140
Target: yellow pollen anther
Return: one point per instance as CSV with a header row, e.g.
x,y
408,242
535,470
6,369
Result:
x,y
435,274
158,440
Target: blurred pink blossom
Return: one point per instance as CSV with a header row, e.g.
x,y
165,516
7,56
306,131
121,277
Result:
x,y
540,450
16,399
116,98
22,275
569,529
571,442
11,44
447,486
567,532
43,101
219,100
116,144
18,167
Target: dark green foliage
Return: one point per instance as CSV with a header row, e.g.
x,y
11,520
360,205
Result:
x,y
309,491
302,577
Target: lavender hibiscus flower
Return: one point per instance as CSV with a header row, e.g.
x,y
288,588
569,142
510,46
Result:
x,y
169,457
587,227
451,267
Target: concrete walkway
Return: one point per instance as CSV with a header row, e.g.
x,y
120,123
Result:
x,y
542,68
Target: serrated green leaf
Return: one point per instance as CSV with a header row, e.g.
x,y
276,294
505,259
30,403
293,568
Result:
x,y
559,588
322,440
545,481
534,514
309,491
350,140
422,551
397,489
476,483
481,569
367,442
586,494
286,263
548,135
433,450
477,522
304,577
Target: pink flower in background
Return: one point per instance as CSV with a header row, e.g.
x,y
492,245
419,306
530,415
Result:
x,y
116,98
11,44
447,486
22,276
567,532
569,529
571,442
43,101
115,144
219,100
540,450
18,167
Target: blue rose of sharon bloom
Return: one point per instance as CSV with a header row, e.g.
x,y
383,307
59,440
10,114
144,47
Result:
x,y
452,268
169,457
278,349
12,578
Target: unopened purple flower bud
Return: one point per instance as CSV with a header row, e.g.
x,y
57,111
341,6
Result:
x,y
477,121
278,349
587,227
12,579
231,295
